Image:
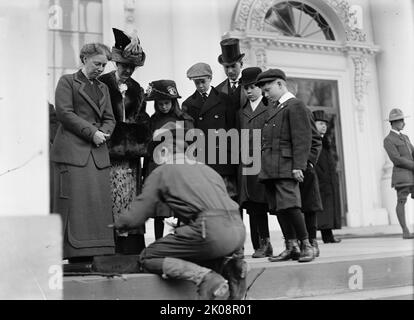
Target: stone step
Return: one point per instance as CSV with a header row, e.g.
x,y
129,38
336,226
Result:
x,y
395,293
280,280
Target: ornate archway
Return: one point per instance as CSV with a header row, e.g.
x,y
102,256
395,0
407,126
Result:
x,y
249,25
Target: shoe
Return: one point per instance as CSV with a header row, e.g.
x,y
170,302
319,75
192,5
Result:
x,y
332,240
265,250
307,253
213,287
315,246
235,271
292,251
408,235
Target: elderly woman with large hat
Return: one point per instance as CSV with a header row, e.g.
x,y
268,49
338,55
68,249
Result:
x,y
81,159
127,145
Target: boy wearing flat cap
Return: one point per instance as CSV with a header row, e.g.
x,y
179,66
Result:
x,y
286,146
212,110
232,61
401,153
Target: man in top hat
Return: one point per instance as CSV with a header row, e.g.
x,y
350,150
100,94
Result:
x,y
212,110
253,115
127,144
286,145
329,217
232,61
401,153
211,234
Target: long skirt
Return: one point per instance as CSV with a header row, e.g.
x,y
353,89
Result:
x,y
82,197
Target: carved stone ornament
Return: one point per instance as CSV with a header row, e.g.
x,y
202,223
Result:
x,y
129,9
250,16
361,80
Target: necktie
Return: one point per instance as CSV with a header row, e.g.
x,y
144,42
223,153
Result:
x,y
407,144
234,86
205,96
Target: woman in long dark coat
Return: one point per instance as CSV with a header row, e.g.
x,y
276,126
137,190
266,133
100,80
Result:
x,y
128,142
81,158
167,109
330,217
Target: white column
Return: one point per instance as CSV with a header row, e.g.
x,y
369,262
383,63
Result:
x,y
24,149
394,32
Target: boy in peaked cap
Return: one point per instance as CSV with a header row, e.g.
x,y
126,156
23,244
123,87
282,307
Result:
x,y
252,193
286,146
401,153
212,110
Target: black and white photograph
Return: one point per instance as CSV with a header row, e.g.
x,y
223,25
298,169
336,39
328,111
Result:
x,y
185,150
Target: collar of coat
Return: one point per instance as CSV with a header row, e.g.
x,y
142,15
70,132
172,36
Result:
x,y
80,78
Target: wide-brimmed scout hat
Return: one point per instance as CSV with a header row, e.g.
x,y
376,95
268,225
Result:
x,y
230,51
162,89
396,114
127,49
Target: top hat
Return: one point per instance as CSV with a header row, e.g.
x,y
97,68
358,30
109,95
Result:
x,y
320,115
127,49
249,76
230,49
269,76
162,89
199,70
396,114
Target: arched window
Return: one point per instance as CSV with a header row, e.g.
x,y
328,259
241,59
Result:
x,y
296,19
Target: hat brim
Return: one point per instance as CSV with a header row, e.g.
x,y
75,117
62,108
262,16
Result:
x,y
399,118
137,61
199,77
266,80
238,59
248,83
160,96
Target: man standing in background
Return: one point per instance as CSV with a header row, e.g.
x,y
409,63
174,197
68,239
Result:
x,y
401,153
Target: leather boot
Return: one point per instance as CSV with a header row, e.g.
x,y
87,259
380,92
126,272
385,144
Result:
x,y
265,249
211,286
315,246
295,250
306,253
286,254
268,248
235,271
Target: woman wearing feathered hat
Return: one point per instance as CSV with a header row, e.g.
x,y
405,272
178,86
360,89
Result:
x,y
127,144
167,109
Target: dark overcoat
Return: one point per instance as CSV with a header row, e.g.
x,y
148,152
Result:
x,y
129,138
238,97
309,188
401,153
286,140
330,217
81,169
217,112
250,188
